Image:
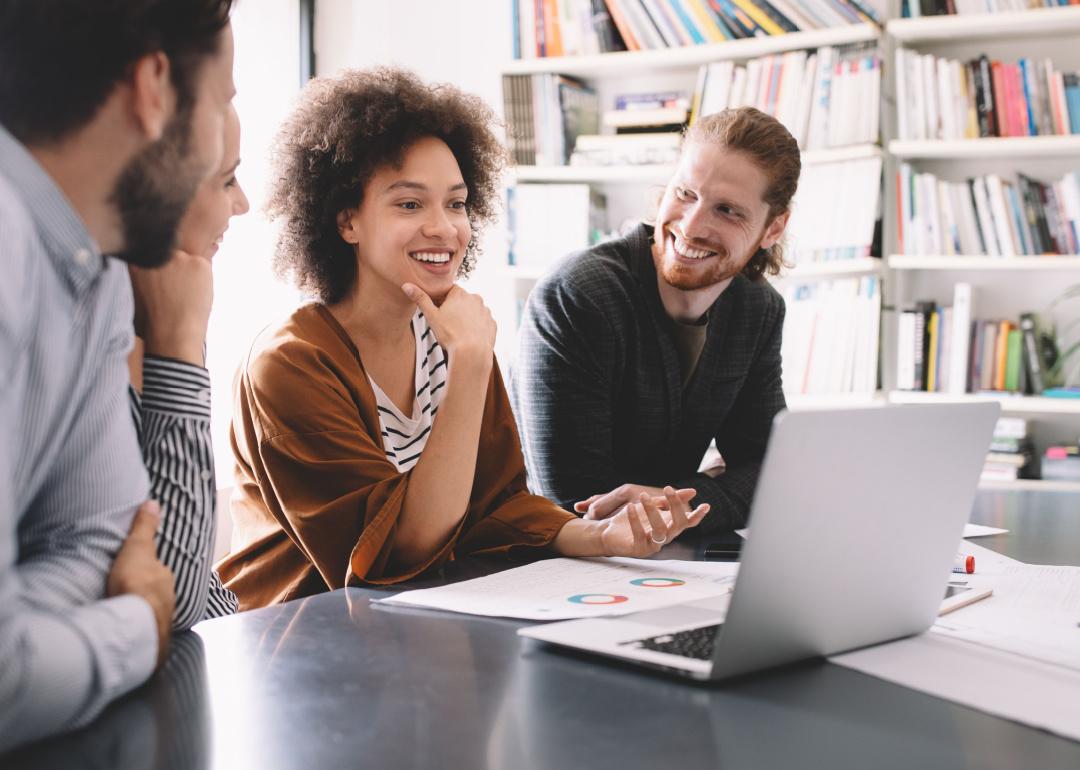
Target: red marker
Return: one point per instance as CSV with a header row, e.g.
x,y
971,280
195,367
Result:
x,y
963,564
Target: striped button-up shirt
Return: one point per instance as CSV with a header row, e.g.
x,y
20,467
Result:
x,y
71,472
172,416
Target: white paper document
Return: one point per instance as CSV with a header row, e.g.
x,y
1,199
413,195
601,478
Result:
x,y
1034,611
560,589
1022,689
980,530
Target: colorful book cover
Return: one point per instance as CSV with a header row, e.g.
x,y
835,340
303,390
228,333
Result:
x,y
1001,354
759,16
932,363
621,24
682,14
1012,361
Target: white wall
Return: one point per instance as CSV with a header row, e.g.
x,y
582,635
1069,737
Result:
x,y
247,297
466,44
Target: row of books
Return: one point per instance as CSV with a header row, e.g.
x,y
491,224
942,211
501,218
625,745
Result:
x,y
988,215
947,350
825,98
836,212
941,98
575,27
916,8
545,114
563,28
830,342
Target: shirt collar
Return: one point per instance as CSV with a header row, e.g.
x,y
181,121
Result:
x,y
74,254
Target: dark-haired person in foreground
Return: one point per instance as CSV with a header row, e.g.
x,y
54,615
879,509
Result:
x,y
636,353
111,115
372,432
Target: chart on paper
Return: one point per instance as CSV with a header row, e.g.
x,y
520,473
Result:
x,y
559,589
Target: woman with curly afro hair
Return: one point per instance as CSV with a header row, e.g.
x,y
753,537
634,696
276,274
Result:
x,y
372,432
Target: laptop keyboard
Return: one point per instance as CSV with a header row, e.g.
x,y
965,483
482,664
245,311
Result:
x,y
696,643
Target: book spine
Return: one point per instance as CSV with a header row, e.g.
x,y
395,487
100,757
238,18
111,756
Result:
x,y
932,363
1012,361
1001,353
618,17
961,336
682,16
1033,361
759,16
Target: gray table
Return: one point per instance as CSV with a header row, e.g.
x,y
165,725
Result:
x,y
334,682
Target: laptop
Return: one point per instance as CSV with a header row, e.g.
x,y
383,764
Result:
x,y
853,531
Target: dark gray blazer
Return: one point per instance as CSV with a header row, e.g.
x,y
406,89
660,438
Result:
x,y
597,389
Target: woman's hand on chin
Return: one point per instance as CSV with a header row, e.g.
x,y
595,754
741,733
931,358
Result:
x,y
462,323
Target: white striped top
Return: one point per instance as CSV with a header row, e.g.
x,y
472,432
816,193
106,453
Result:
x,y
404,437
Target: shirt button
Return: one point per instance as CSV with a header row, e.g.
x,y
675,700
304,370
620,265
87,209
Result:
x,y
204,396
206,475
82,256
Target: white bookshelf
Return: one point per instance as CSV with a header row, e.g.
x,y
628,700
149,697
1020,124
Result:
x,y
645,62
991,148
653,173
1036,22
1010,404
643,174
1004,287
838,268
980,263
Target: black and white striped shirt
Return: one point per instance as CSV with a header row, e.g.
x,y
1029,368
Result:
x,y
172,418
404,437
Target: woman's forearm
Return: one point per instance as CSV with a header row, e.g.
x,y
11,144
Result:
x,y
441,482
579,537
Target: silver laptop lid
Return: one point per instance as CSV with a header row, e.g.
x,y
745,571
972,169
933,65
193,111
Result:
x,y
854,526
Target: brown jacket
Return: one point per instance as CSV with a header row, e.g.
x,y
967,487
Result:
x,y
316,499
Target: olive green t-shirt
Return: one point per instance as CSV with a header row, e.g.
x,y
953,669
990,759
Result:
x,y
689,341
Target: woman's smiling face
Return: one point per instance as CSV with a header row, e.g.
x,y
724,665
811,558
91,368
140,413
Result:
x,y
412,225
217,200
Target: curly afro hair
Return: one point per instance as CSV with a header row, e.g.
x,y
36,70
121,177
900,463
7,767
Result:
x,y
345,128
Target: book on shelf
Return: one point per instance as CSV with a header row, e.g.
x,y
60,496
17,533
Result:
x,y
648,113
939,98
825,98
830,342
836,212
987,215
1061,463
914,9
545,114
549,221
626,149
545,28
1012,454
945,349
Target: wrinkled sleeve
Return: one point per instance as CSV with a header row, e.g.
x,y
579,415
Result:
x,y
328,481
743,437
65,652
172,416
563,391
503,514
